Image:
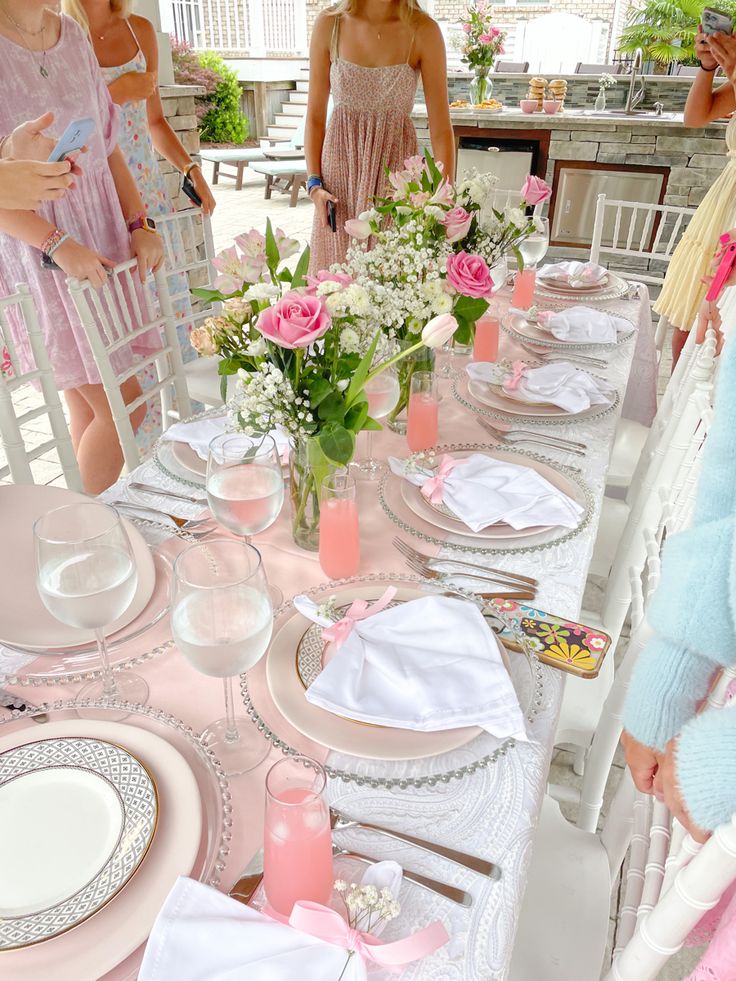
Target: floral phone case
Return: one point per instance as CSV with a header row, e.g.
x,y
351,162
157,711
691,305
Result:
x,y
569,646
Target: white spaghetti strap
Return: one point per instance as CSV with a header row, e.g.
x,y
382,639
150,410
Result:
x,y
135,36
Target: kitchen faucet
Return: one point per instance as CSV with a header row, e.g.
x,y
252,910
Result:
x,y
634,98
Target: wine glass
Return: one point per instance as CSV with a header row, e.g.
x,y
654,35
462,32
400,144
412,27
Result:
x,y
222,621
382,393
245,486
534,248
87,577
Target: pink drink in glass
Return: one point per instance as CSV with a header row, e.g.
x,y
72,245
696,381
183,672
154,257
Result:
x,y
485,347
524,284
423,421
297,847
339,538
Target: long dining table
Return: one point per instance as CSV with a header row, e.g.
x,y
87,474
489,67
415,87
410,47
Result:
x,y
476,798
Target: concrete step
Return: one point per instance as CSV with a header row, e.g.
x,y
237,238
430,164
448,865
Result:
x,y
295,109
281,132
285,121
298,98
302,85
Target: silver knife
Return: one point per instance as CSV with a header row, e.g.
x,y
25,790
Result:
x,y
341,822
249,880
174,495
449,892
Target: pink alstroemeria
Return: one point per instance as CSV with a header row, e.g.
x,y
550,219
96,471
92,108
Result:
x,y
443,195
414,166
233,270
286,246
357,228
419,198
399,181
325,276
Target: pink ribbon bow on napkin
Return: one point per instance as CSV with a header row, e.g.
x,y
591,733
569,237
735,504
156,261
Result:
x,y
433,488
327,924
543,317
360,609
517,373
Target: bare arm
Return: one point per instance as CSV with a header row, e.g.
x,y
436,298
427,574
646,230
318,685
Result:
x,y
146,246
319,96
433,66
703,104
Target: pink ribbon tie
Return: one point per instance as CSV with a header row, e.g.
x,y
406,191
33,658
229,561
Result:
x,y
327,924
517,373
433,488
360,609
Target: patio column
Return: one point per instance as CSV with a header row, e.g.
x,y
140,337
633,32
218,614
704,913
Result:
x,y
153,9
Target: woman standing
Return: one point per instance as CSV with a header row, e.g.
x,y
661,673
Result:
x,y
369,55
683,289
46,64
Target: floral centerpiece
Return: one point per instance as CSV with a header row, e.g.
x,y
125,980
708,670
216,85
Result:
x,y
428,249
303,350
481,44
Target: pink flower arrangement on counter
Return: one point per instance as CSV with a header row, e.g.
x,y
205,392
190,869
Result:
x,y
481,42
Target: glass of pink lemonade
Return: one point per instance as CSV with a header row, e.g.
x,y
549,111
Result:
x,y
297,846
423,416
245,486
485,345
339,534
533,249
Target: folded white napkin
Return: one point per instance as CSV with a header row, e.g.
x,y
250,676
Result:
x,y
200,432
581,324
482,491
558,383
573,272
429,664
203,935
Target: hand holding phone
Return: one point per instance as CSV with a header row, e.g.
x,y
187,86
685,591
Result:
x,y
188,187
332,215
716,22
72,139
723,273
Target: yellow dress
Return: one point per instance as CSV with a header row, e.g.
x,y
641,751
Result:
x,y
683,292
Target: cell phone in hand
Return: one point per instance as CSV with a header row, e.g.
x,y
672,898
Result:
x,y
188,187
73,138
716,22
332,215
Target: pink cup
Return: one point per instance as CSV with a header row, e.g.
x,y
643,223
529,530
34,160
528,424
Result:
x,y
528,105
551,106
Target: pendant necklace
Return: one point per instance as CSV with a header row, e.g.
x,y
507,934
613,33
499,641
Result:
x,y
43,71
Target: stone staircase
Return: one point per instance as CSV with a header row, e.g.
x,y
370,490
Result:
x,y
292,112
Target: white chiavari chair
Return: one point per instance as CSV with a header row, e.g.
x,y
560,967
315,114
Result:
x,y
20,307
114,318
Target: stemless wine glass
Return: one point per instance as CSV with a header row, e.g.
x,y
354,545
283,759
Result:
x,y
87,577
382,393
221,621
245,486
297,841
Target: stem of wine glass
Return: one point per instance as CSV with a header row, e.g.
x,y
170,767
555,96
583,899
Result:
x,y
231,733
109,688
368,445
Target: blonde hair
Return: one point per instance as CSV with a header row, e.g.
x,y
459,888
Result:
x,y
409,10
75,9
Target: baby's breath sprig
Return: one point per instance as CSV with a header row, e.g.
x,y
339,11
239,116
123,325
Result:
x,y
367,907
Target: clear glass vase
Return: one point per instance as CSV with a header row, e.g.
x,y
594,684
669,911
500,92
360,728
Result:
x,y
421,360
308,466
481,86
600,102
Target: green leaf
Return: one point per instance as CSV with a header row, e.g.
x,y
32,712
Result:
x,y
371,424
299,278
332,408
229,366
337,443
470,308
361,372
223,387
285,275
319,389
356,416
434,171
211,296
464,333
272,250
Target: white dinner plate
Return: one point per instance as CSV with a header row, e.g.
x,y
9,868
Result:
x,y
610,288
333,731
77,817
531,332
106,939
26,623
188,458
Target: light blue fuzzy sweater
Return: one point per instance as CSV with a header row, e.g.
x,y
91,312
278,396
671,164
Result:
x,y
694,616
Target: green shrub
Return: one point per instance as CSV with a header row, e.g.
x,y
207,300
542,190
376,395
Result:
x,y
218,111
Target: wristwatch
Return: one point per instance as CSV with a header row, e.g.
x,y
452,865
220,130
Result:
x,y
147,224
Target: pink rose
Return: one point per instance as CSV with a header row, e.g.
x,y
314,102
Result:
x,y
469,275
357,228
495,31
485,38
457,224
535,190
467,28
297,320
325,276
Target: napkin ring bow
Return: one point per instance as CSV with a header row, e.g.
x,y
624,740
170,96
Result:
x,y
327,924
517,373
434,487
360,609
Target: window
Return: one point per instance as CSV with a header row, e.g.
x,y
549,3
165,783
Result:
x,y
187,21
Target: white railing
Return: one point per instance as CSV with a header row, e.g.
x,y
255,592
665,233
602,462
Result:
x,y
256,27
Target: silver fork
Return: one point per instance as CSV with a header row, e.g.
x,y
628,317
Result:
x,y
503,440
409,551
546,354
443,577
553,438
130,506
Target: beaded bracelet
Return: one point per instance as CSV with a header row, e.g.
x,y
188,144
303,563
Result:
x,y
52,241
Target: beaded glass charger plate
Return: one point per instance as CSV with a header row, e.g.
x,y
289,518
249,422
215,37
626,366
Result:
x,y
506,407
611,288
408,509
431,765
83,813
533,335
